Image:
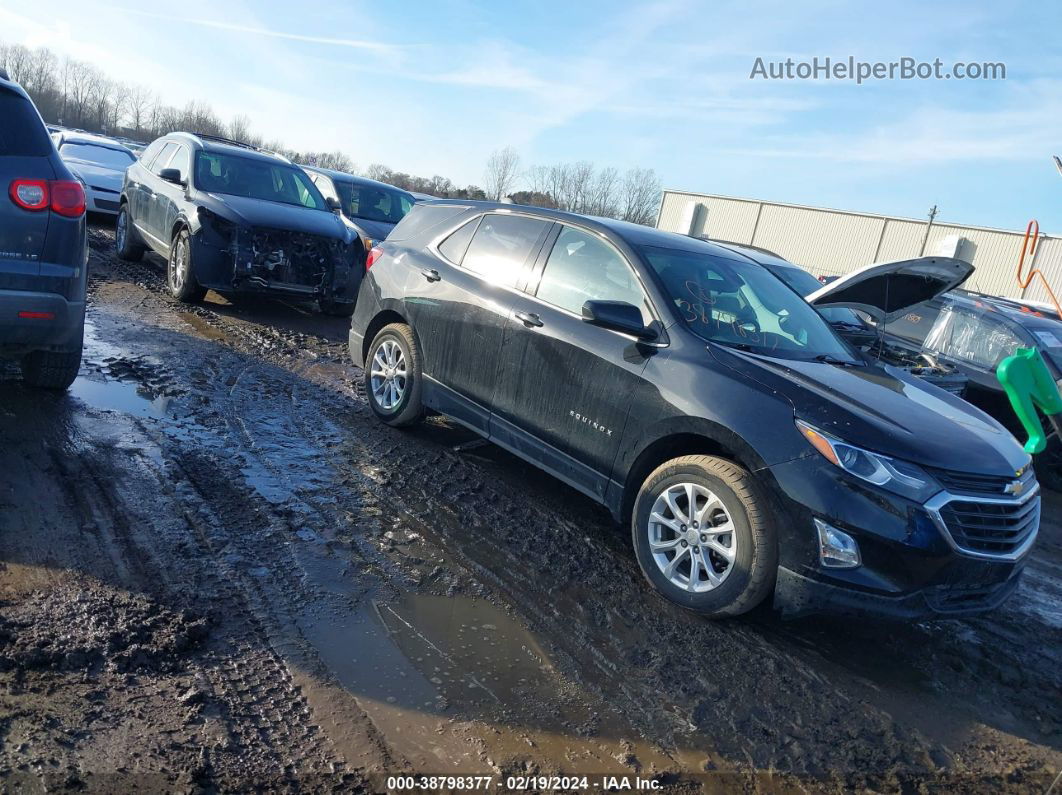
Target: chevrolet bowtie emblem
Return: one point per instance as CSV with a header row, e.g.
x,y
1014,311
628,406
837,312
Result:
x,y
1014,488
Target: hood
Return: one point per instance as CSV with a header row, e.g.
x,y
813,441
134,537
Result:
x,y
377,230
886,290
97,176
275,215
888,411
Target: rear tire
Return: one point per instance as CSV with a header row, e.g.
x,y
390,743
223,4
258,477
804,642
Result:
x,y
180,275
727,531
393,378
125,239
51,369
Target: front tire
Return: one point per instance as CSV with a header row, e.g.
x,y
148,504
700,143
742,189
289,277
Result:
x,y
719,559
393,379
180,275
125,240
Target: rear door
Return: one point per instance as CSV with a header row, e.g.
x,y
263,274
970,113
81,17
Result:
x,y
168,196
25,156
465,293
565,387
152,196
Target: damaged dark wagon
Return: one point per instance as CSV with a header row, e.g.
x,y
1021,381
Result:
x,y
236,219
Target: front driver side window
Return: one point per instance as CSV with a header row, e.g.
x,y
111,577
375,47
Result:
x,y
582,267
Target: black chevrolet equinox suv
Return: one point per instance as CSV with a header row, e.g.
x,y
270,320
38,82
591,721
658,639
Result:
x,y
705,403
43,248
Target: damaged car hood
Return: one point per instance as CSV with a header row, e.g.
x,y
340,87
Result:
x,y
886,290
886,410
275,215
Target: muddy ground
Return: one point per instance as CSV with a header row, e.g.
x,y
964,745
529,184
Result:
x,y
218,571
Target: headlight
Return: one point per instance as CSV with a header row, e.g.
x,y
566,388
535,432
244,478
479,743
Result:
x,y
899,477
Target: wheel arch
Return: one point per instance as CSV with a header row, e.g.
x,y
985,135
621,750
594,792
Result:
x,y
703,439
382,318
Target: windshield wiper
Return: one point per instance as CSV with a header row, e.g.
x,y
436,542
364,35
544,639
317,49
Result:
x,y
826,358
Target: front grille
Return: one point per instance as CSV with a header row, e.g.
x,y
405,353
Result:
x,y
991,528
988,485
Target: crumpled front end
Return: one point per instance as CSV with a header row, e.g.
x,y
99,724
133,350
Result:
x,y
229,257
292,262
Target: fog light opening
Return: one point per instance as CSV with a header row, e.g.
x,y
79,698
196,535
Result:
x,y
837,549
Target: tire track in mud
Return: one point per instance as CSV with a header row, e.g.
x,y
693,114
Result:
x,y
751,692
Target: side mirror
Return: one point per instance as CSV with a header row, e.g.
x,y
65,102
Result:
x,y
618,316
172,175
333,204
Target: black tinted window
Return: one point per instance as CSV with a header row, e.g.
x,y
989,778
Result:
x,y
21,132
254,178
501,246
454,247
581,268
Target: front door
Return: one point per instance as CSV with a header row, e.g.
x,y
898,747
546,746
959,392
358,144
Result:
x,y
565,387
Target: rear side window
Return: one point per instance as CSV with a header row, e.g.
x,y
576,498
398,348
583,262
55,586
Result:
x,y
501,245
422,218
21,133
582,267
454,247
149,153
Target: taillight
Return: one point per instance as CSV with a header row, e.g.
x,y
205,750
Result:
x,y
68,198
374,255
30,194
64,196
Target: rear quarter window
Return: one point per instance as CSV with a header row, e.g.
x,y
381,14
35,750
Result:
x,y
422,218
22,133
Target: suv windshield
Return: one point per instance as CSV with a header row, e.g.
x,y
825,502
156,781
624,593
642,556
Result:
x,y
105,156
256,179
743,305
373,203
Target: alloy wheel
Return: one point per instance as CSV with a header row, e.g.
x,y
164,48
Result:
x,y
177,258
692,537
388,377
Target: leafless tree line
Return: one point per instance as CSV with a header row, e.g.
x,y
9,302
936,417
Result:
x,y
579,187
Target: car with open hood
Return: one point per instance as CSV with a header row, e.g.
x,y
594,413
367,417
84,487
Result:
x,y
751,451
234,218
99,164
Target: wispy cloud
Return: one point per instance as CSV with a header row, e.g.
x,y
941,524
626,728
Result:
x,y
358,44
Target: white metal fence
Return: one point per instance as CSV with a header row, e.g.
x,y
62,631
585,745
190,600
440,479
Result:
x,y
837,241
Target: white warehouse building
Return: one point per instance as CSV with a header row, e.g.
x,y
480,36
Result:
x,y
834,242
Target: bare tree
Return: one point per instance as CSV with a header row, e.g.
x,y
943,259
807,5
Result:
x,y
239,128
379,172
503,166
640,196
138,104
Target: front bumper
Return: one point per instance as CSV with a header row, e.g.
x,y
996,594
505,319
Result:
x,y
101,201
911,566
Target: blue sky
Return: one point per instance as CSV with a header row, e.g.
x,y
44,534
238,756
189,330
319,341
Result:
x,y
434,87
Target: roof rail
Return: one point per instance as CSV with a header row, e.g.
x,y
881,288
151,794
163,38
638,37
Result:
x,y
223,140
740,245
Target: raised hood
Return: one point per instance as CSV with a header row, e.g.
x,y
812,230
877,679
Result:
x,y
886,290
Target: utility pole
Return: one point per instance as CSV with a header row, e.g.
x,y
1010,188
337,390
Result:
x,y
925,238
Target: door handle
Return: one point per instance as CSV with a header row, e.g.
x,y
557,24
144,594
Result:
x,y
529,319
430,274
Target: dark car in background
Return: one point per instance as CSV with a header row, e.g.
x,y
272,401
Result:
x,y
374,207
234,218
704,402
974,333
43,248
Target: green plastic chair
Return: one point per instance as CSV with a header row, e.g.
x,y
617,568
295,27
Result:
x,y
1028,384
